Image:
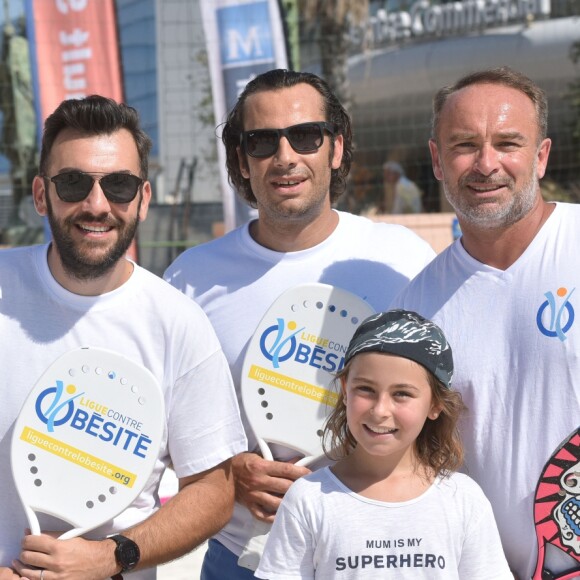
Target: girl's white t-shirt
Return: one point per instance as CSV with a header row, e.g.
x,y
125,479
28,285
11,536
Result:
x,y
324,530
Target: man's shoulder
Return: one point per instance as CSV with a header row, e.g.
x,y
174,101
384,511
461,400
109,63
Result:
x,y
441,262
570,211
212,250
432,280
380,229
164,293
18,259
13,254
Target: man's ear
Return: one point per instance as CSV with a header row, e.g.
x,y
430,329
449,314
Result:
x,y
39,194
145,199
336,160
543,154
435,160
243,162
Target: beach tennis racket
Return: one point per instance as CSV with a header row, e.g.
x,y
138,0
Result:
x,y
557,509
86,439
288,369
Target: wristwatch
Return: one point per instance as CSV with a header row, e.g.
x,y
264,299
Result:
x,y
127,552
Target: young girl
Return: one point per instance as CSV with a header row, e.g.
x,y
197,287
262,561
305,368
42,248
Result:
x,y
392,506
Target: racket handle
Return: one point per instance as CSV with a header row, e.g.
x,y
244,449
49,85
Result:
x,y
309,460
75,532
304,462
265,450
32,521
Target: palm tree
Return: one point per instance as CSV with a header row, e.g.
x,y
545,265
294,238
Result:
x,y
574,94
574,99
333,18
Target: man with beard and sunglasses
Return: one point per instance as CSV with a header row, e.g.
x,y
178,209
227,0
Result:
x,y
288,147
505,295
81,290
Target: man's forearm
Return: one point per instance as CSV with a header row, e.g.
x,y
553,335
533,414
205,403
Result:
x,y
203,505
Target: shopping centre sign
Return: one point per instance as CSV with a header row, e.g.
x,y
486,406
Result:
x,y
424,19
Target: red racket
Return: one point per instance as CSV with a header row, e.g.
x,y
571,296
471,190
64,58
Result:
x,y
557,509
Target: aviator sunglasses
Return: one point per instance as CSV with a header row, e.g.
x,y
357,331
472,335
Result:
x,y
304,138
74,186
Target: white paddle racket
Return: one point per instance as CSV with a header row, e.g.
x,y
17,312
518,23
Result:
x,y
289,366
86,439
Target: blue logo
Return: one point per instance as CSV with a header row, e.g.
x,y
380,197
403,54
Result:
x,y
557,324
283,346
59,411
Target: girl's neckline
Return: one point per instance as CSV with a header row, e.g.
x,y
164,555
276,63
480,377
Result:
x,y
397,487
380,499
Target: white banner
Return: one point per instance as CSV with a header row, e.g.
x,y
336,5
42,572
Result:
x,y
244,38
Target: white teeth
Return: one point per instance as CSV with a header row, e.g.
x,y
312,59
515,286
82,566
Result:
x,y
485,189
288,182
95,229
381,430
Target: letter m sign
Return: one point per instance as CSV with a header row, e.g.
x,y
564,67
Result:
x,y
245,34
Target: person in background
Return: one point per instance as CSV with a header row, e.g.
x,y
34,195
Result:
x,y
81,290
401,195
505,294
288,146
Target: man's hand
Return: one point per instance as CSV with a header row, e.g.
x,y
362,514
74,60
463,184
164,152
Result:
x,y
261,484
9,574
75,559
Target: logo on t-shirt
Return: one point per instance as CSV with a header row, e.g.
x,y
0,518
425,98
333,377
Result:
x,y
555,316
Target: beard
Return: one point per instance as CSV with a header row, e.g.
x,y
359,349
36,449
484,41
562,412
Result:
x,y
87,261
504,212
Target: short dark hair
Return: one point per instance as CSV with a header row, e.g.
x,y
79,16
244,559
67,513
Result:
x,y
94,115
281,79
497,76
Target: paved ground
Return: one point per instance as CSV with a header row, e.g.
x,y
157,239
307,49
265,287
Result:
x,y
186,568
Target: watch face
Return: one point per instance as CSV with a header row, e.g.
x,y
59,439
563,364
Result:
x,y
130,553
127,552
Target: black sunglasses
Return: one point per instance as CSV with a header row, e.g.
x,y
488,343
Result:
x,y
73,186
304,138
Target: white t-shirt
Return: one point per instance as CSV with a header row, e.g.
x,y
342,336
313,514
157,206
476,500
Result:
x,y
235,280
148,322
515,336
324,530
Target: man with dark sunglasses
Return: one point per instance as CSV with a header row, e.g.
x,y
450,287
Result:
x,y
81,290
288,152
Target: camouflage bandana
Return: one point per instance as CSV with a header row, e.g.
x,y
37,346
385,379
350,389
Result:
x,y
407,334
